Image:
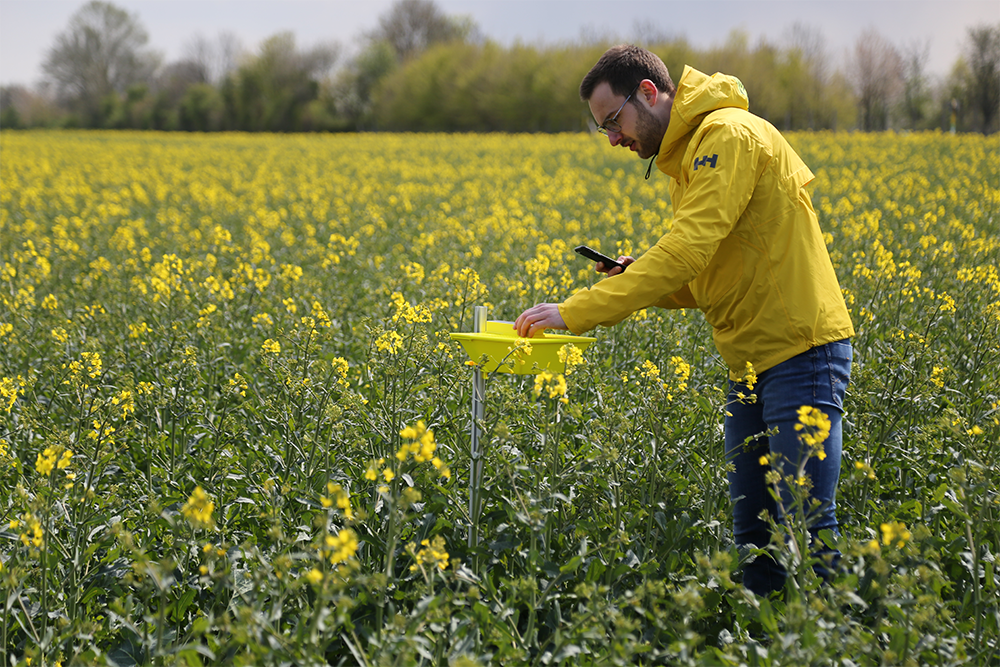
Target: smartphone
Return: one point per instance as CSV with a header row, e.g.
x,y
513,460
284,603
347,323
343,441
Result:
x,y
592,254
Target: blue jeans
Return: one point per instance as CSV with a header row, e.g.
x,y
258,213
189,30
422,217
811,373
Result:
x,y
818,378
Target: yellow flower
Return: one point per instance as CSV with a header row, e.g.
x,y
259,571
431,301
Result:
x,y
648,370
682,371
571,356
553,385
749,377
33,535
64,460
198,509
814,427
433,554
340,547
314,576
419,441
94,363
895,533
338,496
271,347
46,461
261,320
8,392
389,342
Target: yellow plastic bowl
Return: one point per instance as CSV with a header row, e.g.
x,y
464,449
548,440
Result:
x,y
506,352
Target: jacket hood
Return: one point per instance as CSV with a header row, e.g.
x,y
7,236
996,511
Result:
x,y
697,96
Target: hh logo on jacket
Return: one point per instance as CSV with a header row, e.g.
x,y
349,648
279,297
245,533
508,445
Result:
x,y
705,161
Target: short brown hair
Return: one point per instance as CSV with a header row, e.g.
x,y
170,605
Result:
x,y
624,66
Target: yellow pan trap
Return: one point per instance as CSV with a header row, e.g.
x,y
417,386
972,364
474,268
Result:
x,y
506,352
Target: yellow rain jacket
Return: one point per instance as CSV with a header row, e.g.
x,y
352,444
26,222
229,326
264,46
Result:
x,y
745,246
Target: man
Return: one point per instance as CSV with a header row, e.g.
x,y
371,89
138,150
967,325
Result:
x,y
745,247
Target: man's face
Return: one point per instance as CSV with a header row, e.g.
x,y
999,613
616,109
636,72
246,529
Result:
x,y
641,131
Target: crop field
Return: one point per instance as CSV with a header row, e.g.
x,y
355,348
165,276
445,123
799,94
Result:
x,y
234,429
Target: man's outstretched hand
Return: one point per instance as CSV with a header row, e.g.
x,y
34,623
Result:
x,y
537,318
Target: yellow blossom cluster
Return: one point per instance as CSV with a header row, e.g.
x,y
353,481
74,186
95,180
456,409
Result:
x,y
407,313
681,372
895,533
418,441
238,385
814,429
52,458
553,385
432,553
123,401
198,509
32,534
339,366
389,342
864,469
340,547
339,496
571,356
9,389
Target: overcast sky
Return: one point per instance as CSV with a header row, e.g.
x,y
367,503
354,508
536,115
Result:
x,y
28,27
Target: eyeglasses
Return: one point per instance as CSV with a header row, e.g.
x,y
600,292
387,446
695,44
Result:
x,y
612,124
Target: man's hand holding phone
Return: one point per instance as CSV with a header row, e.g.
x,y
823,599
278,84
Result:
x,y
605,264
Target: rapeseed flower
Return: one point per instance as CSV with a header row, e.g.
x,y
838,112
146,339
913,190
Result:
x,y
814,427
389,342
553,385
32,536
419,441
340,547
262,320
9,389
339,496
682,371
895,533
571,356
433,554
198,509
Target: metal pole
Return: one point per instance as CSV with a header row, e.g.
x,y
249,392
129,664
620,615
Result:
x,y
478,401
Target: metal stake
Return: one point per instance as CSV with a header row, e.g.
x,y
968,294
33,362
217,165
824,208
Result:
x,y
478,402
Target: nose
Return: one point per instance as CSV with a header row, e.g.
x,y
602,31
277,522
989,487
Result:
x,y
615,137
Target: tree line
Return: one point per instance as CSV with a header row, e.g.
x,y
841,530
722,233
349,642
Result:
x,y
422,70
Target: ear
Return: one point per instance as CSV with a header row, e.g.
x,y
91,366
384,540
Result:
x,y
648,91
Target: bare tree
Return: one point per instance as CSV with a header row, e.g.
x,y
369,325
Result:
x,y
984,65
102,52
916,89
411,26
648,33
876,70
216,59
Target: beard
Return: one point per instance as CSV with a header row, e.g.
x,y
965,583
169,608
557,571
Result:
x,y
649,133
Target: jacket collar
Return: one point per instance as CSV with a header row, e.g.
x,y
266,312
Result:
x,y
697,95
